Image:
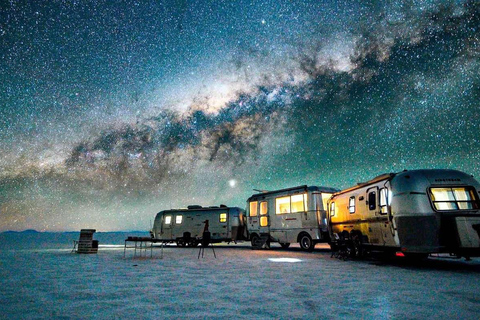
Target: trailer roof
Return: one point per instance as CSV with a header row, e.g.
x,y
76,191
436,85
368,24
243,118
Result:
x,y
298,188
191,208
385,176
391,175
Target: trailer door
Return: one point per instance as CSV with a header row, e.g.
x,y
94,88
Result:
x,y
167,227
264,218
374,224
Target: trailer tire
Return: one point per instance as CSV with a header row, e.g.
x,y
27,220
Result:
x,y
285,245
306,242
255,238
193,243
181,243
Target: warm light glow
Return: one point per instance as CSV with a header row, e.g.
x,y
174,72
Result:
x,y
282,205
458,198
223,217
263,208
253,208
168,219
298,203
325,198
284,260
263,221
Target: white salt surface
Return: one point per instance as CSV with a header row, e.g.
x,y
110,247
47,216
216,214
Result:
x,y
241,283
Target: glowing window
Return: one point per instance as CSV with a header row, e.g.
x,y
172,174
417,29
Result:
x,y
332,209
383,201
325,198
264,221
223,217
253,208
298,204
351,205
168,219
263,208
458,198
178,219
282,205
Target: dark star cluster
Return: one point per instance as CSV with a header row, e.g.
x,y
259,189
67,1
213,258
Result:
x,y
112,111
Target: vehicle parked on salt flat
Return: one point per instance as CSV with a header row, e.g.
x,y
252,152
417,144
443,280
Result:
x,y
289,215
185,226
417,212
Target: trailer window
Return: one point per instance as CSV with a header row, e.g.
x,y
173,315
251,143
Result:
x,y
282,205
223,217
383,201
253,208
178,219
263,214
351,205
455,198
168,219
298,203
332,209
263,208
325,198
372,200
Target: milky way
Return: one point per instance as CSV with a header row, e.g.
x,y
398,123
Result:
x,y
111,112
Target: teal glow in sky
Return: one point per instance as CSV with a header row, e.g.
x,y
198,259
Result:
x,y
113,111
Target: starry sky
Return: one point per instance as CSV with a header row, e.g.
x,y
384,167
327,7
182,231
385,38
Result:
x,y
111,111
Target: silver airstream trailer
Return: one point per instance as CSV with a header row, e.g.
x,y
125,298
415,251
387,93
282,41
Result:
x,y
416,212
185,226
289,215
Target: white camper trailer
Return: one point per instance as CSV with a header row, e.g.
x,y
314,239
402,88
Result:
x,y
185,226
289,215
416,212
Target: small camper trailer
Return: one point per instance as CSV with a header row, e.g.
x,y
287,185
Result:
x,y
185,226
289,215
417,212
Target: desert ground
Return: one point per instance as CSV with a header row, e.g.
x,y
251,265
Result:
x,y
41,278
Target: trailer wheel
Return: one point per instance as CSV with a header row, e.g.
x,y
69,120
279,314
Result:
x,y
306,242
255,240
181,243
193,243
285,245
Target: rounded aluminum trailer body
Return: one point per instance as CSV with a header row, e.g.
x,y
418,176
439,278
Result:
x,y
289,215
186,226
416,212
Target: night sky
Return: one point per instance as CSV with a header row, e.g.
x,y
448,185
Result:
x,y
114,110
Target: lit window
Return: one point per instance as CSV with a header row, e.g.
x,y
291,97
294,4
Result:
x,y
298,204
325,198
459,198
253,208
178,219
282,205
351,205
168,219
263,208
264,221
223,217
332,209
383,201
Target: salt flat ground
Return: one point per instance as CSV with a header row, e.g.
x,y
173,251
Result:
x,y
51,282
